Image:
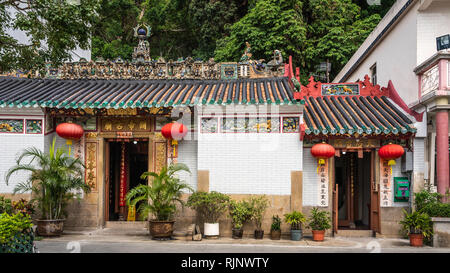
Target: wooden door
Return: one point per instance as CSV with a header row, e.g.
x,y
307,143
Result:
x,y
374,198
335,208
107,179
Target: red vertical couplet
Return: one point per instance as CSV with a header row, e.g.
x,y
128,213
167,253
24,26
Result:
x,y
123,175
442,160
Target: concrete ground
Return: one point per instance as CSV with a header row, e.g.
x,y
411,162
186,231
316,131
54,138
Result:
x,y
138,241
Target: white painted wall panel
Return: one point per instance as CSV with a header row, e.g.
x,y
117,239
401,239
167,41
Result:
x,y
250,163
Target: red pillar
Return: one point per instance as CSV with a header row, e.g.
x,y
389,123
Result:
x,y
442,161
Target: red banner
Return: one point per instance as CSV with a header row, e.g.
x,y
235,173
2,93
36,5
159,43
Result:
x,y
123,176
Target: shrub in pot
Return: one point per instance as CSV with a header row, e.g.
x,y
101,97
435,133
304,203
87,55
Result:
x,y
159,199
275,228
418,225
258,206
295,219
209,206
56,178
319,221
240,213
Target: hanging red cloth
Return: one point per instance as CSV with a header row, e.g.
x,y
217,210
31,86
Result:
x,y
123,175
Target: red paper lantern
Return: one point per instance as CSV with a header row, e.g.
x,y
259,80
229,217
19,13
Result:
x,y
174,131
391,152
69,131
322,151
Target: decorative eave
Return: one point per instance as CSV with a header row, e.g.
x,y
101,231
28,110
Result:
x,y
353,110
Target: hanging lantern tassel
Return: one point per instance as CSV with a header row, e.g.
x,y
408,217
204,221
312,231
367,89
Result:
x,y
390,163
69,143
320,162
174,146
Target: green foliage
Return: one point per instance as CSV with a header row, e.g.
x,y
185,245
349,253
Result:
x,y
258,206
11,225
209,205
335,32
240,212
319,219
5,205
431,204
437,210
55,179
53,28
295,219
269,25
417,222
276,223
164,192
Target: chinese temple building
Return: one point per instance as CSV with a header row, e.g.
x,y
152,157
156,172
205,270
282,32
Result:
x,y
251,128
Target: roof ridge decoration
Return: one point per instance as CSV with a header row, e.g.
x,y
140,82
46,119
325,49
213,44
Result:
x,y
142,67
360,88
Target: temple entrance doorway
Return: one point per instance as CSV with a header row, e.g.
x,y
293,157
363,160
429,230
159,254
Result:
x,y
126,160
352,200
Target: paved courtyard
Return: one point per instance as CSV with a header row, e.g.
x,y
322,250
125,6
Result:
x,y
139,242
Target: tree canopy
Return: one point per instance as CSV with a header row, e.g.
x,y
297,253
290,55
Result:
x,y
53,28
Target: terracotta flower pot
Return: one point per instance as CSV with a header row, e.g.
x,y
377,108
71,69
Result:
x,y
50,227
161,229
318,235
275,234
416,239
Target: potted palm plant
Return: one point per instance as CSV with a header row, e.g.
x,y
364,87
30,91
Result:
x,y
56,178
258,206
295,219
209,206
319,221
275,228
159,199
240,213
418,225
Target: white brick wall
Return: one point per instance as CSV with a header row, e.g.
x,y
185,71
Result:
x,y
250,163
12,146
310,179
187,154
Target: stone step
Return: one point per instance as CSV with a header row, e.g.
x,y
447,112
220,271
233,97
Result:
x,y
354,233
126,224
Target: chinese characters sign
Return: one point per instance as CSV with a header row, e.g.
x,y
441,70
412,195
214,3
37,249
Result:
x,y
385,184
323,184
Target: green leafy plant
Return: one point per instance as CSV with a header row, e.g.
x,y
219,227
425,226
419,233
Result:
x,y
319,219
163,192
295,219
431,204
276,223
56,178
209,205
240,213
417,223
11,225
5,205
258,206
